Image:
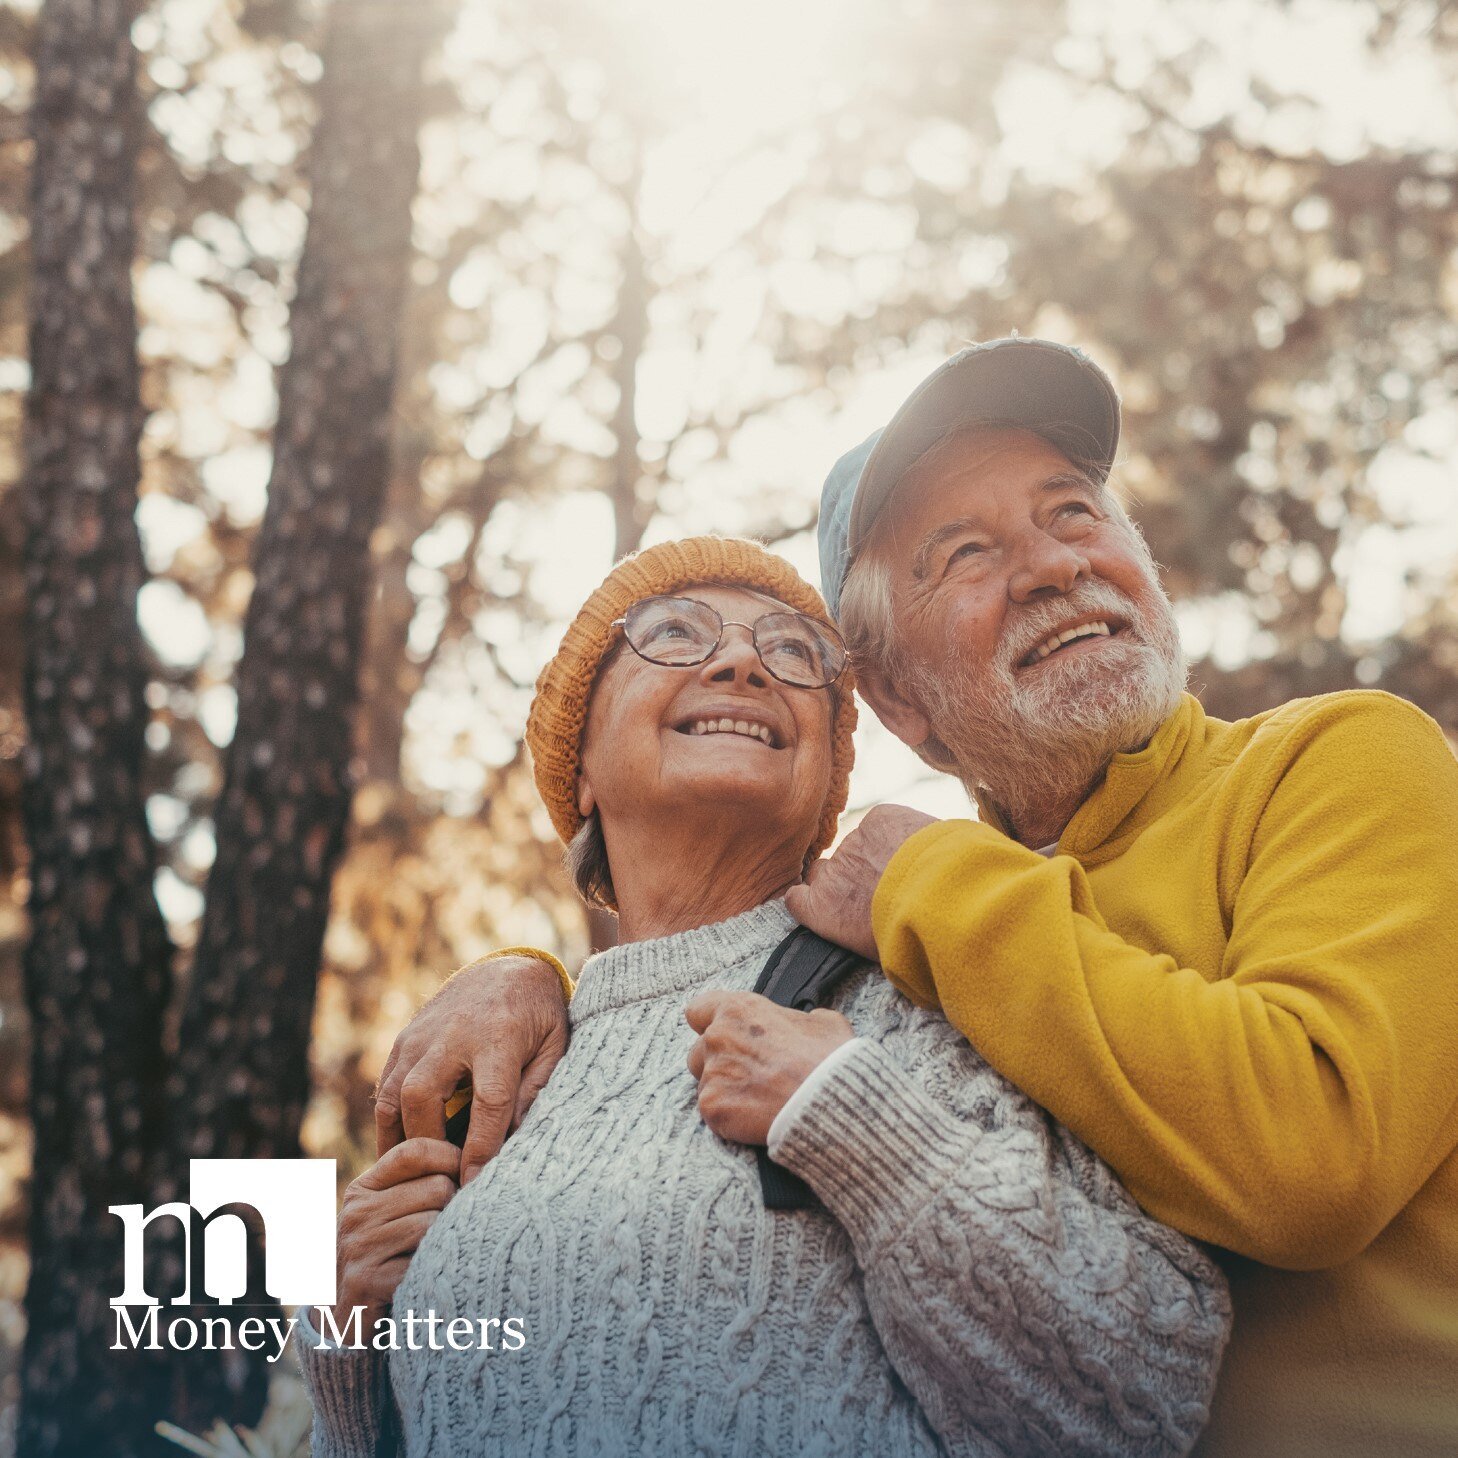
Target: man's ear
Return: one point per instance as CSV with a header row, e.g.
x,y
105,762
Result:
x,y
902,717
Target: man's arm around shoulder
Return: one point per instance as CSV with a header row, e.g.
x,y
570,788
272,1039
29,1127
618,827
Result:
x,y
500,1023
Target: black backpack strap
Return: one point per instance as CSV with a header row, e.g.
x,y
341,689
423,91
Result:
x,y
802,973
804,970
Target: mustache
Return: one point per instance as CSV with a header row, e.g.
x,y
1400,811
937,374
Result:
x,y
1036,621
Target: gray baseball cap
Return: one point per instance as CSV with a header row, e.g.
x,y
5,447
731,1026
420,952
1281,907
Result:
x,y
1053,389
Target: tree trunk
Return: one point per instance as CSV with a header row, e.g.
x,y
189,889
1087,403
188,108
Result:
x,y
241,1079
630,327
97,964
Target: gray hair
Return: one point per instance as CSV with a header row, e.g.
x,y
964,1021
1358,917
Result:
x,y
868,625
868,613
586,859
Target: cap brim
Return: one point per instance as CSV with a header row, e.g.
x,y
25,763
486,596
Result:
x,y
1039,386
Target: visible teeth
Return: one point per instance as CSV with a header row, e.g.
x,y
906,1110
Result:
x,y
733,726
1086,630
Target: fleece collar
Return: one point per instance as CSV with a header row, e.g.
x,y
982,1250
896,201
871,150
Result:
x,y
1121,804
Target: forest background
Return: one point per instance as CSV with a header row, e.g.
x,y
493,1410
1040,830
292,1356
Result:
x,y
343,347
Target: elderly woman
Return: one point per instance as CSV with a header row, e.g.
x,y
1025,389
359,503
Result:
x,y
975,1281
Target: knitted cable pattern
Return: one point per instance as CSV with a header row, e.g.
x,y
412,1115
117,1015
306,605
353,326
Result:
x,y
981,1284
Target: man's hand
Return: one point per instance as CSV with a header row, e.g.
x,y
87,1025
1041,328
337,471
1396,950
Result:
x,y
752,1054
385,1215
503,1024
835,897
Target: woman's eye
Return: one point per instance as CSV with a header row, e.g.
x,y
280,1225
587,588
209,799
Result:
x,y
670,629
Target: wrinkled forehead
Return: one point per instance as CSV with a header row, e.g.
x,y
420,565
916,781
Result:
x,y
972,470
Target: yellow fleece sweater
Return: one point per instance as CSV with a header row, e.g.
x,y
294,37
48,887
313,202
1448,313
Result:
x,y
1237,980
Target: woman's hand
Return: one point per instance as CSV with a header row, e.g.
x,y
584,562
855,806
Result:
x,y
751,1055
385,1215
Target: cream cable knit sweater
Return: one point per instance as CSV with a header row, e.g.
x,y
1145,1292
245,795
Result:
x,y
982,1284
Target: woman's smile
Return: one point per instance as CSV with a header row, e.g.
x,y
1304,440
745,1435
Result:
x,y
673,751
739,720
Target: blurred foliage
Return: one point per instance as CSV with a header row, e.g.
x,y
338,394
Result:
x,y
656,268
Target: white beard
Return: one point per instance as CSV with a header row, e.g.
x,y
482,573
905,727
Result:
x,y
1040,737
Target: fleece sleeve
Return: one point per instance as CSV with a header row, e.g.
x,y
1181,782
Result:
x,y
1289,1107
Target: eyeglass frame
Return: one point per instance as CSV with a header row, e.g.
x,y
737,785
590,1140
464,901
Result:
x,y
753,639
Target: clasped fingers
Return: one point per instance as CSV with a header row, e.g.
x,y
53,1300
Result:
x,y
385,1215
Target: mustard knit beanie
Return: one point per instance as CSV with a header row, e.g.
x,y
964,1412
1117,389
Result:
x,y
559,710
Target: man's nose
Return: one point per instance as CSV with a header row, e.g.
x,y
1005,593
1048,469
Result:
x,y
1045,566
735,659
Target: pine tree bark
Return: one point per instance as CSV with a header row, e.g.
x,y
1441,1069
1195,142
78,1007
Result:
x,y
240,1081
97,964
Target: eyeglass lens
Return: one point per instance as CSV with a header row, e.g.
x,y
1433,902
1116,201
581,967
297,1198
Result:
x,y
680,632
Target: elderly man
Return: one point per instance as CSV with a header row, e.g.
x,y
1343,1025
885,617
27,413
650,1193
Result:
x,y
1224,955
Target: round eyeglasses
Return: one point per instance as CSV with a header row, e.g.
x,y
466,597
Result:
x,y
680,632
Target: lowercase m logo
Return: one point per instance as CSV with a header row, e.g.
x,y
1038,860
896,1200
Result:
x,y
294,1199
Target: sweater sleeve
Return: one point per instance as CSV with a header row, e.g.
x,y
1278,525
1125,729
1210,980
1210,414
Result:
x,y
1285,1105
1021,1295
348,1388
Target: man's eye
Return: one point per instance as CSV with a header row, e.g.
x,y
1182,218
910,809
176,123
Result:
x,y
967,549
1076,506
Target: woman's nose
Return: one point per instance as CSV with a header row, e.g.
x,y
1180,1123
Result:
x,y
735,658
